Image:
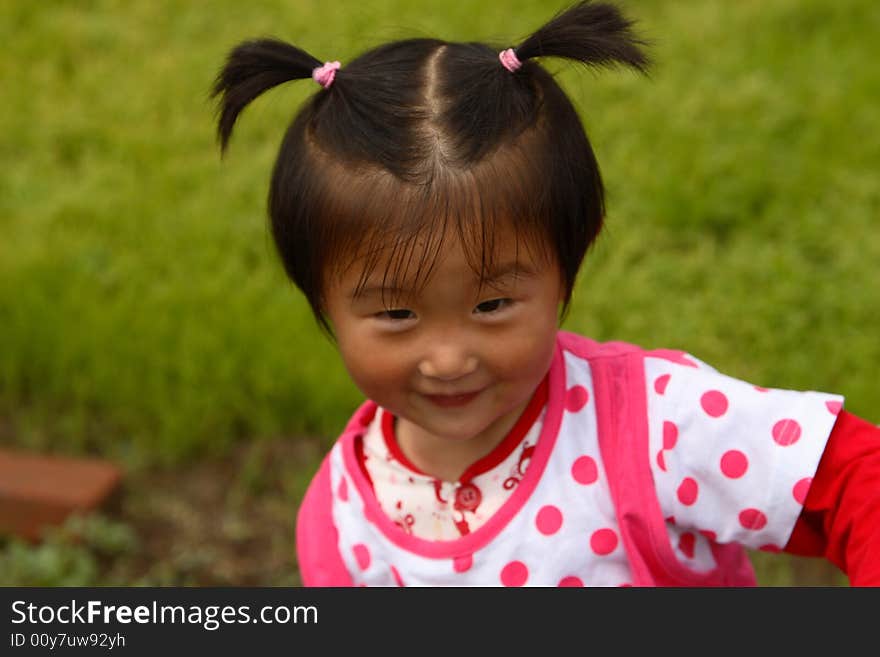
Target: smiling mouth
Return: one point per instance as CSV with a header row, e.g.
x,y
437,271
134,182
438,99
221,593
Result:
x,y
451,401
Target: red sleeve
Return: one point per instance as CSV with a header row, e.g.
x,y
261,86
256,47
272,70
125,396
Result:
x,y
841,516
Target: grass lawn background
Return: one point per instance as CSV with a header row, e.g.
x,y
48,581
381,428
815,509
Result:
x,y
144,317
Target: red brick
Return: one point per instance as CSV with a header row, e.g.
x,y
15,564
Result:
x,y
38,490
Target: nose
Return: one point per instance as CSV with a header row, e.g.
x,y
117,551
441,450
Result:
x,y
447,360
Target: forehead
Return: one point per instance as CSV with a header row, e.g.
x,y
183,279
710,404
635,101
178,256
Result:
x,y
401,267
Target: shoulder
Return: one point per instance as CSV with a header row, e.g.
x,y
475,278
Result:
x,y
317,536
730,457
701,419
680,380
319,492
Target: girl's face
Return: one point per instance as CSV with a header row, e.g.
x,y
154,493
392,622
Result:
x,y
458,362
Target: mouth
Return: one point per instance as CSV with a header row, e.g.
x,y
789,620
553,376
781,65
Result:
x,y
452,401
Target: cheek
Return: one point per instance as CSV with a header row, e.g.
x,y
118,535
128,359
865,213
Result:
x,y
373,369
528,354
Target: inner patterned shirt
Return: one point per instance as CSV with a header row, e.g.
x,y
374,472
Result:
x,y
433,509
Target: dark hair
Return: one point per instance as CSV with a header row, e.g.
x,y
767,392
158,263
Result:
x,y
421,135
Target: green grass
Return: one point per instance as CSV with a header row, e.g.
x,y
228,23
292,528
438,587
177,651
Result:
x,y
144,316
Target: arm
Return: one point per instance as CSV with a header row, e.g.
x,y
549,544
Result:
x,y
841,516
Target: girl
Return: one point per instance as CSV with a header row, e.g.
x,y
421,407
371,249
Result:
x,y
434,201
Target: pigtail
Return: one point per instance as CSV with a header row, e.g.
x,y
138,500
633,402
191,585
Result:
x,y
593,33
251,68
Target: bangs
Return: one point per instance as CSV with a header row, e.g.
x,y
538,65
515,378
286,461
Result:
x,y
372,218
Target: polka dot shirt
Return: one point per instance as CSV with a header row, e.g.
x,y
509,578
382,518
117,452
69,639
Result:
x,y
729,463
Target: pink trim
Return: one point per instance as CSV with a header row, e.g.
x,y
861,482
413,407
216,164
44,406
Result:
x,y
469,543
589,349
317,540
672,355
622,416
612,418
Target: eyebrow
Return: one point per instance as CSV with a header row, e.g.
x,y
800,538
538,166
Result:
x,y
493,278
513,269
374,289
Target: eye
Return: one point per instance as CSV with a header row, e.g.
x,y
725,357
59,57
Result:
x,y
492,306
396,314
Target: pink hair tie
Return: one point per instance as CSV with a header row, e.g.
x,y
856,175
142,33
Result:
x,y
509,60
325,74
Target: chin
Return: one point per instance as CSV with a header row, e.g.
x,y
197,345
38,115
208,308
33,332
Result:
x,y
459,431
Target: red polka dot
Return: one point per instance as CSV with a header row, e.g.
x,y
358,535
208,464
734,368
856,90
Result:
x,y
709,534
576,398
548,520
603,541
734,464
661,462
752,519
514,574
361,555
714,403
463,563
396,575
660,383
342,490
688,491
786,432
571,581
584,470
670,435
686,543
833,407
762,389
770,548
800,489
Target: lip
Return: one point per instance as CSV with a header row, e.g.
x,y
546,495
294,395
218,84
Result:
x,y
453,401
